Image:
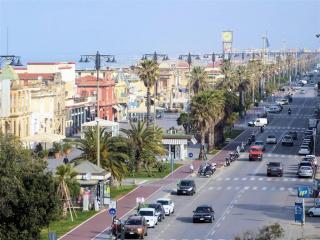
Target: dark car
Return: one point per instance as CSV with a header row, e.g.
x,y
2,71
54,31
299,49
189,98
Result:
x,y
135,227
274,169
203,213
262,115
159,210
186,186
293,134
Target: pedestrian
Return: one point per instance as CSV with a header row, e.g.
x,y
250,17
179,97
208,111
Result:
x,y
65,160
191,168
238,149
227,162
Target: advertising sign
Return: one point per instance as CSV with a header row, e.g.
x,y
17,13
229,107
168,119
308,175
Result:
x,y
299,215
227,36
305,192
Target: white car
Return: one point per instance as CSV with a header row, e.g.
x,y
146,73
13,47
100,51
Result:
x,y
150,215
305,171
271,139
283,101
304,150
314,211
167,204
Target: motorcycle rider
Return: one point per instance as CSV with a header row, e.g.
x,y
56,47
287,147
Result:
x,y
191,168
261,129
227,161
289,111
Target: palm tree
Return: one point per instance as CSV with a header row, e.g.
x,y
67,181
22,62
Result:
x,y
198,80
148,73
113,151
206,110
145,141
65,177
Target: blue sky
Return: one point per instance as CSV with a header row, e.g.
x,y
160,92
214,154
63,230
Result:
x,y
51,30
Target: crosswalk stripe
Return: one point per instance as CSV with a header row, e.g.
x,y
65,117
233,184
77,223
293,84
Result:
x,y
264,188
228,188
244,179
235,179
254,188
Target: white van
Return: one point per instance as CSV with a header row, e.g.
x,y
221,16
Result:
x,y
260,122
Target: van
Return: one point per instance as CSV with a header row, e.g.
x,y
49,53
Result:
x,y
260,122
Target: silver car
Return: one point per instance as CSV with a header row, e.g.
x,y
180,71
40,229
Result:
x,y
305,171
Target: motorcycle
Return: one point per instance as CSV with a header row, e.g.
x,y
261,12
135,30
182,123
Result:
x,y
116,227
289,112
233,156
207,169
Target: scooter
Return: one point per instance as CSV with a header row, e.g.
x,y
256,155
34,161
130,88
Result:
x,y
207,170
289,112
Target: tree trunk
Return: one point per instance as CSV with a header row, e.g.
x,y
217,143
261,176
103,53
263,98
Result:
x,y
241,98
201,152
211,138
148,104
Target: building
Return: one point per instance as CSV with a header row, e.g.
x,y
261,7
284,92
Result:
x,y
15,104
87,87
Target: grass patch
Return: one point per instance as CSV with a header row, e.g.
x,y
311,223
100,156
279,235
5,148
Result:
x,y
233,133
62,226
154,173
118,192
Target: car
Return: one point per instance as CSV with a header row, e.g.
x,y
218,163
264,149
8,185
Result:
x,y
312,159
159,210
287,140
305,171
271,139
250,124
135,227
293,134
260,144
186,186
203,213
305,164
255,153
279,106
304,150
167,204
150,215
314,211
289,97
275,169
283,101
262,115
273,109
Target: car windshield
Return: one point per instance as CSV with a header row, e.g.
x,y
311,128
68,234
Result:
x,y
305,168
134,222
145,213
287,137
185,183
258,143
255,148
274,164
203,210
151,205
271,137
163,202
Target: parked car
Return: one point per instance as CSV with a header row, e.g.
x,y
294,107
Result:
x,y
271,139
273,109
287,140
255,153
293,134
135,227
304,150
150,215
186,186
203,213
283,101
314,211
312,159
167,204
275,169
305,171
260,144
262,115
159,210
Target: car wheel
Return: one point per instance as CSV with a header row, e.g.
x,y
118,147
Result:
x,y
211,220
146,233
194,221
311,214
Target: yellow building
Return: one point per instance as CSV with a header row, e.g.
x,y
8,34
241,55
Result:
x,y
15,110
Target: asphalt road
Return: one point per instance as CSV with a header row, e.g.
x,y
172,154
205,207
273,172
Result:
x,y
243,197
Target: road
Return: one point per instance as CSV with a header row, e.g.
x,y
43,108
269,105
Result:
x,y
243,197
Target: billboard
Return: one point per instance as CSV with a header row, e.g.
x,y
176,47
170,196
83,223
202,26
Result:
x,y
227,40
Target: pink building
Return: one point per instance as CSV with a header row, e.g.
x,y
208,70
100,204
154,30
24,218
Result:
x,y
87,87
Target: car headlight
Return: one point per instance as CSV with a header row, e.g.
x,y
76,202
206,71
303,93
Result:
x,y
140,230
190,188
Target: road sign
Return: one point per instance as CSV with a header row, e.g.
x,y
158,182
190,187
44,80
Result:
x,y
190,155
305,192
112,211
299,215
113,204
139,200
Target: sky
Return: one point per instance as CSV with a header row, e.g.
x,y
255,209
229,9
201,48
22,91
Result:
x,y
62,30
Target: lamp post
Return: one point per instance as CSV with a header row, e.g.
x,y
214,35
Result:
x,y
155,56
213,57
97,59
14,60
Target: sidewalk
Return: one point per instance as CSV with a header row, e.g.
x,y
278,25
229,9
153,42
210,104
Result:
x,y
102,221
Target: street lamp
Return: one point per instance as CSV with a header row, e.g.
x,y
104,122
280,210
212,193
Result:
x,y
212,55
14,60
97,59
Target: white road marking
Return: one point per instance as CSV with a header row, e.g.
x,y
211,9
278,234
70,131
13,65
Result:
x,y
260,179
210,188
219,179
269,179
254,188
229,187
237,187
293,179
282,189
227,179
264,188
236,179
285,179
252,178
246,187
244,179
219,188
